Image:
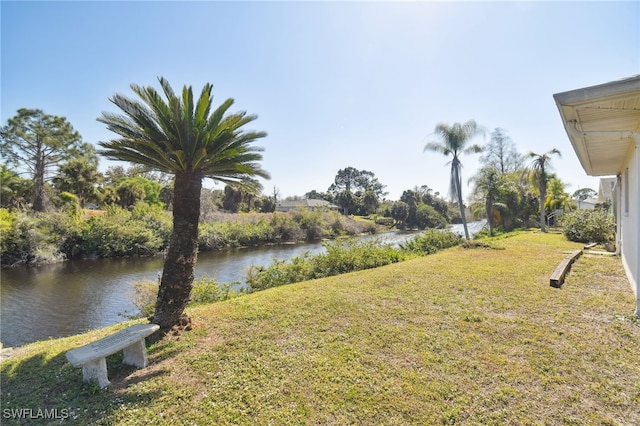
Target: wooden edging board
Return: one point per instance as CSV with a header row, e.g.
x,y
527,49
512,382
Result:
x,y
557,278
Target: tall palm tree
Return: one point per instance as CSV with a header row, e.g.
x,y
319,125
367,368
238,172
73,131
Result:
x,y
454,140
191,142
538,173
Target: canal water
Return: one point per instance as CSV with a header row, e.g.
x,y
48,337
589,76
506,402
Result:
x,y
79,295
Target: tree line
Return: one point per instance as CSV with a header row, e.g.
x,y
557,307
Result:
x,y
47,166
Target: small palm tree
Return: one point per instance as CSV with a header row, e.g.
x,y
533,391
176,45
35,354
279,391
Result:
x,y
454,140
538,173
487,186
557,197
185,138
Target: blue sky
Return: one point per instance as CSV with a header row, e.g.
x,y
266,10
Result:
x,y
334,84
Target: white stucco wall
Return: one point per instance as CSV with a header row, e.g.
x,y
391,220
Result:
x,y
629,215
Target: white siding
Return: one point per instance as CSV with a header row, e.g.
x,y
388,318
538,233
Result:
x,y
629,214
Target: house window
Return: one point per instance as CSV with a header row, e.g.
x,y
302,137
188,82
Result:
x,y
626,191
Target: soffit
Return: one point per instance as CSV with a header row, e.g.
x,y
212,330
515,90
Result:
x,y
601,122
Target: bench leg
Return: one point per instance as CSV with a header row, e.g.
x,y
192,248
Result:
x,y
136,354
96,370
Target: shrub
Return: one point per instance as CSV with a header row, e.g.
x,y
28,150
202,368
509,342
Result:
x,y
310,223
431,241
340,257
285,228
207,290
7,221
279,273
71,204
154,217
31,240
144,296
115,234
347,256
585,226
428,217
204,290
220,235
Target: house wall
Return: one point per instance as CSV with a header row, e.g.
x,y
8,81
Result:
x,y
629,215
585,204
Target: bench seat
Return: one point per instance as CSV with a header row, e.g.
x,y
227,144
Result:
x,y
92,357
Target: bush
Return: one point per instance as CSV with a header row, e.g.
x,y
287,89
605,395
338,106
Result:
x,y
428,217
589,226
432,241
285,228
117,233
31,240
347,256
279,273
7,223
340,257
220,235
154,217
204,290
310,223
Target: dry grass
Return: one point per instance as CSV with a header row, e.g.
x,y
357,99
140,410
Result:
x,y
465,336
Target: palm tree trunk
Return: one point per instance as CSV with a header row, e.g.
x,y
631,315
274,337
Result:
x,y
489,207
178,272
458,183
543,196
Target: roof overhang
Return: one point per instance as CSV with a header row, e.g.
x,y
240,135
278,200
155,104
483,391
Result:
x,y
602,123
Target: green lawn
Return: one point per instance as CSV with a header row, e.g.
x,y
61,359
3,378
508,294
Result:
x,y
464,336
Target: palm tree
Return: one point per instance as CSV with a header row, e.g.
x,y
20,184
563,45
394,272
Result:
x,y
557,197
487,185
538,173
191,142
453,142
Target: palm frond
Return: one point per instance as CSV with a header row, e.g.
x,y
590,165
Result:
x,y
437,147
473,149
176,134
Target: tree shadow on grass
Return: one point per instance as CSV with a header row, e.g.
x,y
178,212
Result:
x,y
46,389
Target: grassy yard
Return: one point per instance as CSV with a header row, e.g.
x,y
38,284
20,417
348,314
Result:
x,y
464,336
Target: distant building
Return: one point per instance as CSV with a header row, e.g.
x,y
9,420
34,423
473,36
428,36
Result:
x,y
603,125
606,190
309,204
588,203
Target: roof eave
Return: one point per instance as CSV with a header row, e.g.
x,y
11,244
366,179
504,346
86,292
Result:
x,y
568,104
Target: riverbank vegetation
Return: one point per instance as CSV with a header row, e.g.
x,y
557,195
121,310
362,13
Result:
x,y
463,336
347,256
340,257
144,230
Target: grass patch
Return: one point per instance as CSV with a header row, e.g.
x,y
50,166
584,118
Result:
x,y
459,337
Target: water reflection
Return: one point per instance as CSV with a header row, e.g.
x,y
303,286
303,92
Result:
x,y
79,295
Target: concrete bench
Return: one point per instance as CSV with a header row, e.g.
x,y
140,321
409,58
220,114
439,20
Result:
x,y
557,278
92,357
